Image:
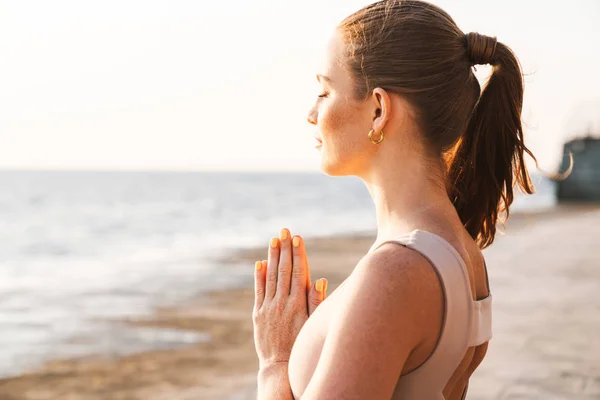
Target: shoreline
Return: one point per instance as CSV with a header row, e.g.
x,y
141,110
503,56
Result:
x,y
226,365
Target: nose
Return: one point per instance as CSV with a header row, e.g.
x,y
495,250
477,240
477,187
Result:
x,y
312,116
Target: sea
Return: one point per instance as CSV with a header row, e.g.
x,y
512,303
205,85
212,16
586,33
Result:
x,y
80,251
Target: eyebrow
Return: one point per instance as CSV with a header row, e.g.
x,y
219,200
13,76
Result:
x,y
325,78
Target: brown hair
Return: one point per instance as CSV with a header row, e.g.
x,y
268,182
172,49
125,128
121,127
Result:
x,y
415,49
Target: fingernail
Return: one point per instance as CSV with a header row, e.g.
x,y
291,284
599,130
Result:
x,y
296,241
274,242
283,234
258,265
319,285
326,283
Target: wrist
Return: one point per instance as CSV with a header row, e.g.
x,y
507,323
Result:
x,y
273,382
272,368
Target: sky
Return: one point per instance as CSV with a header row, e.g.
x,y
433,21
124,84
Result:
x,y
226,85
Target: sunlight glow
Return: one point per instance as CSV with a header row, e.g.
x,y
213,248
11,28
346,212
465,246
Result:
x,y
208,85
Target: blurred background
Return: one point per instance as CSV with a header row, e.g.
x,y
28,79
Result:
x,y
149,148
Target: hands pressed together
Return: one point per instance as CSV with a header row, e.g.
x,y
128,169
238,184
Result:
x,y
284,298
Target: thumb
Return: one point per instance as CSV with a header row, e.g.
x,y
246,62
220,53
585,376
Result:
x,y
316,295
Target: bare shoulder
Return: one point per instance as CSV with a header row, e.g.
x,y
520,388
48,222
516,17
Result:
x,y
400,269
402,284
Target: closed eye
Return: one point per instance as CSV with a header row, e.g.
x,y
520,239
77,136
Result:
x,y
324,94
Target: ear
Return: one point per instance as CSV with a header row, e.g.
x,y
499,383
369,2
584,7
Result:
x,y
382,108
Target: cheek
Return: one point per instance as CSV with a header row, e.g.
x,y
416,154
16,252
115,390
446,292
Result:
x,y
338,119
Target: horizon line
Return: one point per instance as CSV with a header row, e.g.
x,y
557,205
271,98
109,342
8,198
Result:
x,y
160,170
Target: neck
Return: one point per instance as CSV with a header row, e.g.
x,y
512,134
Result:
x,y
407,198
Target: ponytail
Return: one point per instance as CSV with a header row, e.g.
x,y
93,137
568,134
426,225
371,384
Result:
x,y
488,160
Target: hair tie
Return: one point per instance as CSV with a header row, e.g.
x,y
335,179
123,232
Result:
x,y
481,49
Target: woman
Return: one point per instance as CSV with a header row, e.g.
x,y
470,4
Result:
x,y
402,110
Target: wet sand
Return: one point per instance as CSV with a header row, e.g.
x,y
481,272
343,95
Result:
x,y
545,278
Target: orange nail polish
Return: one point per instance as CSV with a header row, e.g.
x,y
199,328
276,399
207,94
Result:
x,y
258,265
296,241
283,234
274,242
326,283
319,285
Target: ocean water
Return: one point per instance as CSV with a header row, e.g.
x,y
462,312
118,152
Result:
x,y
80,250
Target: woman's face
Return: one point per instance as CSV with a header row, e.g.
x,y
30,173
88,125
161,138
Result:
x,y
342,122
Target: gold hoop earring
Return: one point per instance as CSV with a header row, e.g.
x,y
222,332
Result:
x,y
378,140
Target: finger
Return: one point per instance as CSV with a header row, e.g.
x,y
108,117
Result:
x,y
259,283
272,265
317,295
308,281
299,267
285,263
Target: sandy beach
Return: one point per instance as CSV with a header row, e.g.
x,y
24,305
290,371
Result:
x,y
545,279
